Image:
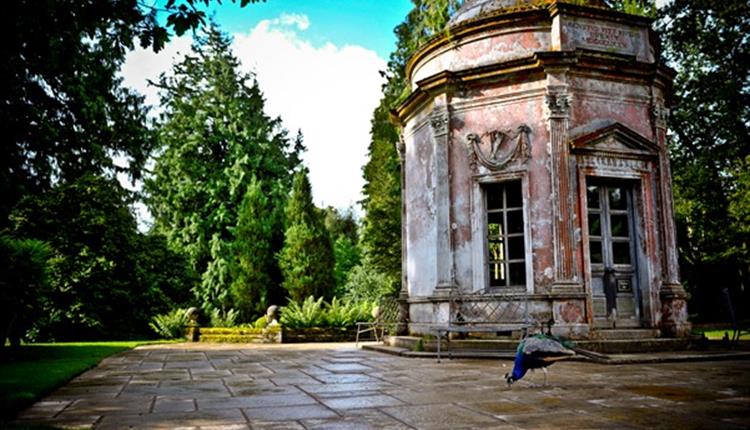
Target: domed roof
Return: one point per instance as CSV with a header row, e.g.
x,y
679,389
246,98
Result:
x,y
475,8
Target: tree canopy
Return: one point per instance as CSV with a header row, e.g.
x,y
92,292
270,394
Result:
x,y
381,232
214,137
307,259
707,43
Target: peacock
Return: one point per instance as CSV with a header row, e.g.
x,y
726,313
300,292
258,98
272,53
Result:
x,y
537,351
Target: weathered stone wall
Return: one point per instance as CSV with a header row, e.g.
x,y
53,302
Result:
x,y
556,95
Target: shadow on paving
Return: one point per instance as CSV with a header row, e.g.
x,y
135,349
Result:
x,y
317,386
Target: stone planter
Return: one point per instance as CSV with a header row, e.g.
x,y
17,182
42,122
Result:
x,y
318,334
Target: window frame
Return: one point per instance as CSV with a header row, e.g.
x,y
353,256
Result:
x,y
480,230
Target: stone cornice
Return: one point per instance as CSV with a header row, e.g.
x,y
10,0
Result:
x,y
518,17
581,60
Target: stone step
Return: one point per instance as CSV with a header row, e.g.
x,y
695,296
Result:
x,y
625,334
503,346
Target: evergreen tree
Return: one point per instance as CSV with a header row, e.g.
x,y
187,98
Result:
x,y
214,139
106,280
344,231
253,258
381,233
307,259
707,43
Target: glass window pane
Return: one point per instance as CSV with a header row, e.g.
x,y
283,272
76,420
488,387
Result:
x,y
617,199
515,221
513,194
621,252
595,251
497,275
515,248
495,225
595,225
619,225
517,273
494,196
497,251
592,196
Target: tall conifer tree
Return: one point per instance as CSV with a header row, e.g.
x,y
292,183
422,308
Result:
x,y
381,234
214,138
253,258
306,260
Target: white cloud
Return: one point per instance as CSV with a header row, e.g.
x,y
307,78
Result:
x,y
329,92
142,65
299,20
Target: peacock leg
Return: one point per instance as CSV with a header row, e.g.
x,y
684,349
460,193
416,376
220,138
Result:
x,y
544,369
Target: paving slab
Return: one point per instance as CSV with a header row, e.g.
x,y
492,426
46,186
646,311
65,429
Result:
x,y
338,386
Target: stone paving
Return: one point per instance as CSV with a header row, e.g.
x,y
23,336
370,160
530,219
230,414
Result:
x,y
337,386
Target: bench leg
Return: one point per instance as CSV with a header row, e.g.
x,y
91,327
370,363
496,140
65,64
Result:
x,y
439,341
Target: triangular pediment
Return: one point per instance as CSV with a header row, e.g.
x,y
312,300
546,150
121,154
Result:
x,y
614,139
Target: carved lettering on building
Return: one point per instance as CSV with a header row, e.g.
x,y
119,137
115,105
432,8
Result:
x,y
621,163
602,36
501,151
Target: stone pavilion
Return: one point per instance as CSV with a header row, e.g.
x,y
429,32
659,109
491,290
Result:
x,y
535,169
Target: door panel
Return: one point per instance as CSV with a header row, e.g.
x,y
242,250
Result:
x,y
612,254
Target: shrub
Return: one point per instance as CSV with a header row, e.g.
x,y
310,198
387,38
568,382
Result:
x,y
261,322
366,283
317,313
346,313
309,314
221,318
170,325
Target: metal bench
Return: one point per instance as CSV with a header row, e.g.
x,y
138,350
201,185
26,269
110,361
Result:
x,y
481,312
386,318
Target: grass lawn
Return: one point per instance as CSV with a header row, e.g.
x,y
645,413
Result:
x,y
719,334
32,371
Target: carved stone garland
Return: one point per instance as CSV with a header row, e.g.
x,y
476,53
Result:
x,y
498,140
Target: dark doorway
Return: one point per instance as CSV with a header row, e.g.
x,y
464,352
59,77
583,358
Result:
x,y
614,265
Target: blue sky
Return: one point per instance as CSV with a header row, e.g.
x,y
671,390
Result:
x,y
366,23
317,63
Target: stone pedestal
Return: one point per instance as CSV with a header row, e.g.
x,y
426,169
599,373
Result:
x,y
674,315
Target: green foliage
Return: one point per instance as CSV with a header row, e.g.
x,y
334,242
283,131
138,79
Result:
x,y
219,318
307,259
348,256
214,139
341,223
419,346
24,282
346,313
317,313
261,322
253,258
64,110
170,325
706,42
308,314
106,280
636,7
365,282
381,234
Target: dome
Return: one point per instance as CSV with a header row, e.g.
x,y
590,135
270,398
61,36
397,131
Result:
x,y
472,9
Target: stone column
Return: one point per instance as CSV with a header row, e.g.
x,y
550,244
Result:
x,y
439,121
402,327
563,199
673,296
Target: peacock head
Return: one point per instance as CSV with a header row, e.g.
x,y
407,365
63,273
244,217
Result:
x,y
509,379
